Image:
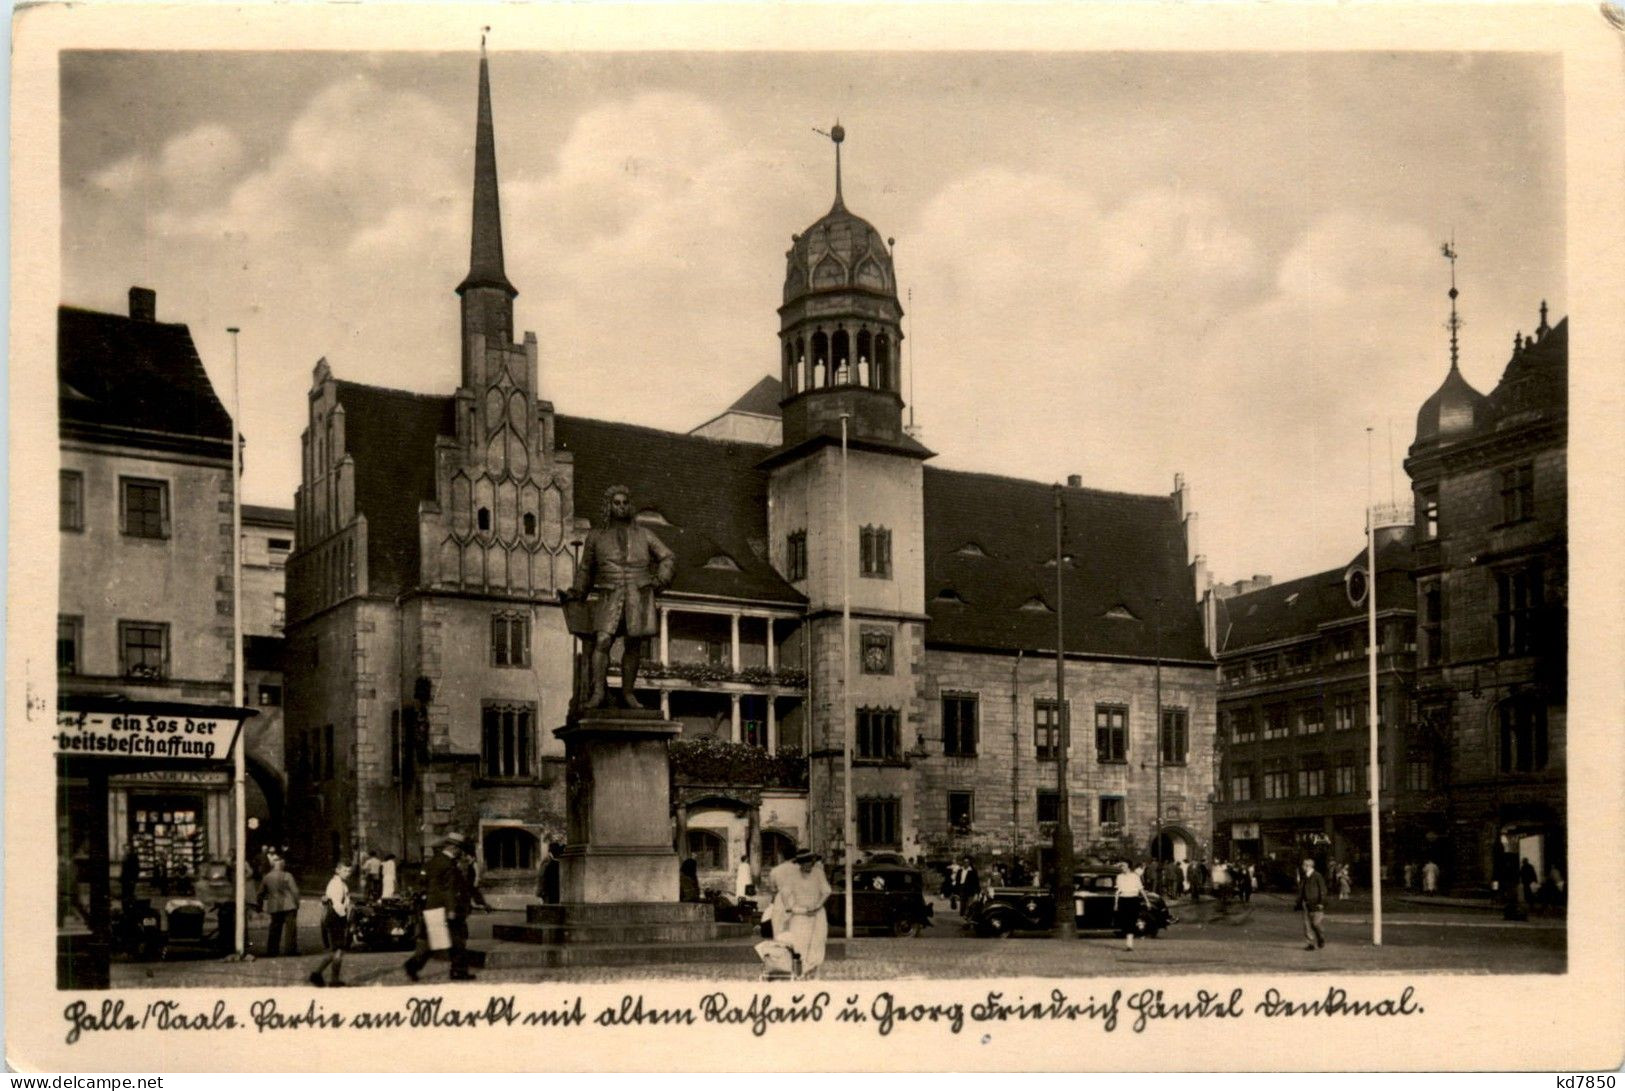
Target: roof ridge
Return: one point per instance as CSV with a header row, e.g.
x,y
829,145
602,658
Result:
x,y
988,475
718,440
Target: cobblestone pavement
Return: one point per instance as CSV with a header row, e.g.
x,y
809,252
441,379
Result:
x,y
1264,937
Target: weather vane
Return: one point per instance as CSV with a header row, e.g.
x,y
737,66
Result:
x,y
836,134
1448,249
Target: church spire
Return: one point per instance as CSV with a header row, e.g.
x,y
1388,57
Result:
x,y
485,268
1449,251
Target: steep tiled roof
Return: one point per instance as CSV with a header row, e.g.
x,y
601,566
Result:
x,y
391,434
762,399
990,577
1300,607
120,373
708,491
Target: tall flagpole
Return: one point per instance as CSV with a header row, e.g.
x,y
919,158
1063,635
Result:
x,y
238,762
848,836
1374,775
1064,861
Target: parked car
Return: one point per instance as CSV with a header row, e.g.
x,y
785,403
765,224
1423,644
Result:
x,y
384,924
886,896
1004,910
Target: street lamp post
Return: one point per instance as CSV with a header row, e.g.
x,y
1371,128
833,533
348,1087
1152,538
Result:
x,y
1063,819
1156,844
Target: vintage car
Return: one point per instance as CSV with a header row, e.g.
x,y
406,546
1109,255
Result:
x,y
886,896
198,913
1004,910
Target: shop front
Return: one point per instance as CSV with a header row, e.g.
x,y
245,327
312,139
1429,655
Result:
x,y
144,801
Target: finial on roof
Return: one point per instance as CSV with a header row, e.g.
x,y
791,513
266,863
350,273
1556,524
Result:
x,y
1544,328
1517,341
483,32
1448,249
836,134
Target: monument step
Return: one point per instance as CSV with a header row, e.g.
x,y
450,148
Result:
x,y
585,913
505,956
680,932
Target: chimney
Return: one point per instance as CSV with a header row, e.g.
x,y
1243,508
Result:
x,y
1074,481
143,304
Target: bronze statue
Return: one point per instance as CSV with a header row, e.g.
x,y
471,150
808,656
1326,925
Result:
x,y
627,566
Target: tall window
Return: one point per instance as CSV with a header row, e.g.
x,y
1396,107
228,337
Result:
x,y
509,847
1523,736
144,649
510,640
1419,772
1111,733
72,510
875,552
1242,726
877,823
144,508
707,849
394,746
1432,623
507,740
1309,719
1517,613
1348,711
877,734
961,811
69,641
1275,722
1049,805
1241,784
1312,776
1518,493
329,747
959,725
1046,729
795,556
1111,815
1277,778
1175,736
1427,513
1344,781
279,610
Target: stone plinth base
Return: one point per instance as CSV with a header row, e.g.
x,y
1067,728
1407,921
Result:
x,y
618,783
627,923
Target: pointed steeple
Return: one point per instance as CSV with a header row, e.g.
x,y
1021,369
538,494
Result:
x,y
837,135
485,268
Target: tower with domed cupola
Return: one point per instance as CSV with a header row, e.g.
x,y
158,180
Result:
x,y
840,334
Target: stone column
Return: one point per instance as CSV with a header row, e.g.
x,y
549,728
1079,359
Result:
x,y
733,638
733,701
772,724
665,637
772,647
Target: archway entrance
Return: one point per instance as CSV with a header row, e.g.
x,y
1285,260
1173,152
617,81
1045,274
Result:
x,y
1176,844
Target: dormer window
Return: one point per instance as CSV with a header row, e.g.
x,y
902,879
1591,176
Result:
x,y
652,517
970,549
1121,613
948,594
722,562
1036,605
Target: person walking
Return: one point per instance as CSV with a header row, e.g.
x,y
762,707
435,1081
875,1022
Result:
x,y
335,926
1345,883
372,874
279,896
1430,878
1312,901
744,879
970,885
448,887
1129,901
547,883
799,921
388,876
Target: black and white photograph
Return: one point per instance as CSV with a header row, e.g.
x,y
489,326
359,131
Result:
x,y
558,512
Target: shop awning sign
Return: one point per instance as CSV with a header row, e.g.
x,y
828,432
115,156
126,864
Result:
x,y
155,736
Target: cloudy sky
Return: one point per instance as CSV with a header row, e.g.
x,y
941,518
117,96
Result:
x,y
1123,265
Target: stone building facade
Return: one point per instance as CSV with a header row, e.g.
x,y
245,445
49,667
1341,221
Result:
x,y
1489,478
433,532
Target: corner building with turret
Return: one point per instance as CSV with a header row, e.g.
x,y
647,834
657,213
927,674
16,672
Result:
x,y
829,581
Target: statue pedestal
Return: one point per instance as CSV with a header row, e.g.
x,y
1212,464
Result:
x,y
618,782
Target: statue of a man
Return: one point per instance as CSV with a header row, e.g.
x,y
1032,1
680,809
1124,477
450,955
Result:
x,y
627,566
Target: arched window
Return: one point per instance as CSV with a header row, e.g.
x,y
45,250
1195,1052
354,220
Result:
x,y
776,848
866,359
530,524
841,357
509,847
883,363
484,519
708,849
820,355
789,368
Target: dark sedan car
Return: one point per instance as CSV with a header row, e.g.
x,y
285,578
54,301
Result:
x,y
886,896
1004,910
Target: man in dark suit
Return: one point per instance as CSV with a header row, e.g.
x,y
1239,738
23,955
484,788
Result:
x,y
449,887
1312,901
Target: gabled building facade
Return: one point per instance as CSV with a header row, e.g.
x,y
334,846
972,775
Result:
x,y
1489,478
428,661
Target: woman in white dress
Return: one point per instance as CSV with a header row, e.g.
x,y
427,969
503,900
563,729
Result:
x,y
799,920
